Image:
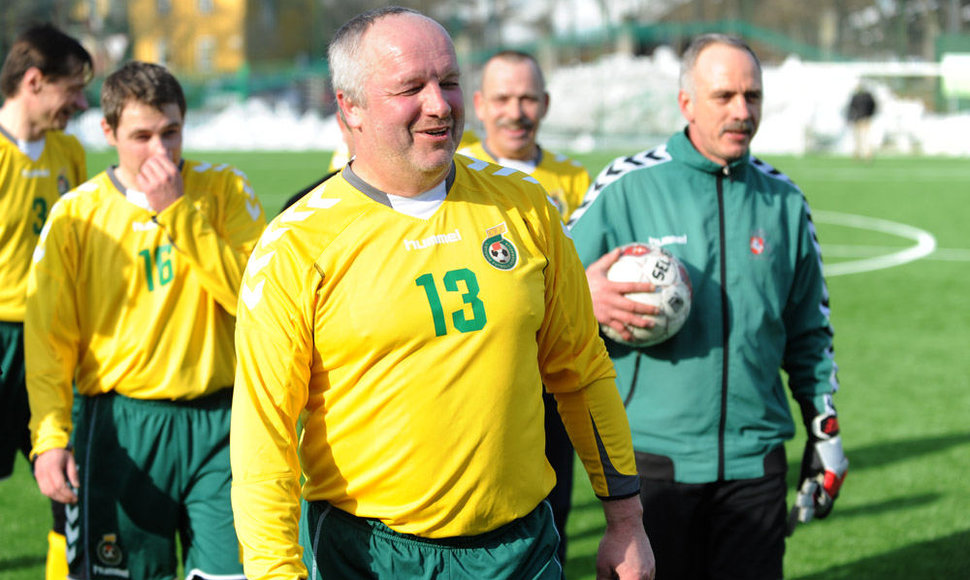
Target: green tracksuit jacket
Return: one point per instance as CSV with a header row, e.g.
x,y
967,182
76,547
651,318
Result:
x,y
708,404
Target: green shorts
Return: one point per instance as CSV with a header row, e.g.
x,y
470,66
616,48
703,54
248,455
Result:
x,y
14,409
339,545
151,470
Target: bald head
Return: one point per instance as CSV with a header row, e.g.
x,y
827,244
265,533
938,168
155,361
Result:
x,y
396,81
347,73
698,45
720,97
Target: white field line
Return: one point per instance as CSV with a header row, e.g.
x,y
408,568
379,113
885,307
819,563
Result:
x,y
846,251
950,255
887,175
924,246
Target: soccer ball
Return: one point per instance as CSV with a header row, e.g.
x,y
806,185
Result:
x,y
499,253
648,263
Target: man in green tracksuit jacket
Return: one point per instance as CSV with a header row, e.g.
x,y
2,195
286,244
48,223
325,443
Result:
x,y
707,408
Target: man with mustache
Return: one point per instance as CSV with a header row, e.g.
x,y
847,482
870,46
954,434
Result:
x,y
42,82
408,312
511,103
708,409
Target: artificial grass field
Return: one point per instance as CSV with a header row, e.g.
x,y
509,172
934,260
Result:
x,y
902,336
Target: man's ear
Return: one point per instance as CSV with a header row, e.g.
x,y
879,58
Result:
x,y
32,81
109,133
349,110
478,101
686,105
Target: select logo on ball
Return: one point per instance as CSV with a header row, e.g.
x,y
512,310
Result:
x,y
639,262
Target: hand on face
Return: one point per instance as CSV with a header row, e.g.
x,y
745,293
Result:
x,y
160,180
149,144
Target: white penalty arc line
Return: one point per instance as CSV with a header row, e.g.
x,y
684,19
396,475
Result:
x,y
925,242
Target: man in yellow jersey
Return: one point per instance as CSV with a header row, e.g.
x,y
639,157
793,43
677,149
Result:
x,y
132,294
409,311
511,103
42,82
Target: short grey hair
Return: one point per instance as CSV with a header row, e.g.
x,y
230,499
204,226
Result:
x,y
519,56
697,46
347,72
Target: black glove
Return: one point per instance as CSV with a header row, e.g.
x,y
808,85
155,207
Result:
x,y
824,468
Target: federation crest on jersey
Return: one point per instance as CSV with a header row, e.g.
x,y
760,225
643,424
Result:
x,y
63,185
757,243
556,198
499,252
108,550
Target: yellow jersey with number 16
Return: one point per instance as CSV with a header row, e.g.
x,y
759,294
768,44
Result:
x,y
124,300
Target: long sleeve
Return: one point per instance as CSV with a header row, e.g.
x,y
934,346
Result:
x,y
51,332
273,341
809,358
217,252
578,371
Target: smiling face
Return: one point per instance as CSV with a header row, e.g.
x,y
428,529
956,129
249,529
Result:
x,y
144,131
510,105
723,108
408,125
54,100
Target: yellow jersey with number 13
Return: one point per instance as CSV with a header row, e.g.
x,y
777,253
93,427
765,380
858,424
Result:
x,y
416,350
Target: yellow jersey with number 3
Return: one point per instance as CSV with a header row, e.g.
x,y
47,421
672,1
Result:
x,y
28,190
124,300
416,351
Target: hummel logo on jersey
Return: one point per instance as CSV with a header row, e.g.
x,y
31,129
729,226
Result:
x,y
272,234
319,202
258,263
33,173
252,296
430,241
252,208
616,170
71,531
667,240
143,226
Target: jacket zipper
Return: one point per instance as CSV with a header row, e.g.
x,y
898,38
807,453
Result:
x,y
724,324
633,383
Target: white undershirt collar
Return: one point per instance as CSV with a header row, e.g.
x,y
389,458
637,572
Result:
x,y
32,149
525,166
422,205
